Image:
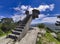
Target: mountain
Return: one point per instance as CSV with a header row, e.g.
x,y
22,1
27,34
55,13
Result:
x,y
53,27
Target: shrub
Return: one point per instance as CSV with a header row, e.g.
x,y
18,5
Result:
x,y
41,25
7,24
1,33
58,36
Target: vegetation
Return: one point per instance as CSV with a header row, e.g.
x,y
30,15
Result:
x,y
58,36
41,25
39,42
51,38
6,26
1,33
48,38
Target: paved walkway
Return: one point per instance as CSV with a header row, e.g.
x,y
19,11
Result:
x,y
30,37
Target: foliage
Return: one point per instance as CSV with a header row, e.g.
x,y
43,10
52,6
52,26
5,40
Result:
x,y
58,36
48,38
7,25
1,33
41,25
51,38
39,42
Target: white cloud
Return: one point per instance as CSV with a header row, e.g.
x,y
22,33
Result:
x,y
1,17
42,16
43,7
49,19
16,18
17,9
57,14
45,19
40,8
51,7
22,9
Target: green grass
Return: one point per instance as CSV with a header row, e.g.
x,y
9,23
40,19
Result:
x,y
48,38
4,34
39,42
51,38
1,33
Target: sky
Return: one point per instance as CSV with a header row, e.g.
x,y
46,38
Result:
x,y
49,9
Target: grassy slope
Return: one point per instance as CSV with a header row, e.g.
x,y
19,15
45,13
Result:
x,y
51,38
48,38
2,33
39,42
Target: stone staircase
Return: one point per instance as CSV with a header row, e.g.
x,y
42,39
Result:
x,y
21,29
18,30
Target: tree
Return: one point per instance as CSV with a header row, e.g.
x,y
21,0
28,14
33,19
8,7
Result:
x,y
7,24
7,20
41,25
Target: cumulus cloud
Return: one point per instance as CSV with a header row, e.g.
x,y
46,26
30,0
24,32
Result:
x,y
43,7
51,7
57,14
40,7
46,19
1,17
23,8
50,19
16,18
17,9
42,16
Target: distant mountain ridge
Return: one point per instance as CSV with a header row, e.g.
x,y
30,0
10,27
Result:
x,y
53,27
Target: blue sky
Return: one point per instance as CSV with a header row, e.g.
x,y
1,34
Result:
x,y
8,7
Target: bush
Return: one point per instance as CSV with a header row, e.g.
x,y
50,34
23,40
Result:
x,y
41,25
7,27
58,36
1,33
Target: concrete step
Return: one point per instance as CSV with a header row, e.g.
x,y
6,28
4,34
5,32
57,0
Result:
x,y
16,33
19,30
22,24
12,36
22,27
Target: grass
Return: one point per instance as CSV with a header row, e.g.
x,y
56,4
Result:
x,y
47,38
4,34
39,42
1,33
51,38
